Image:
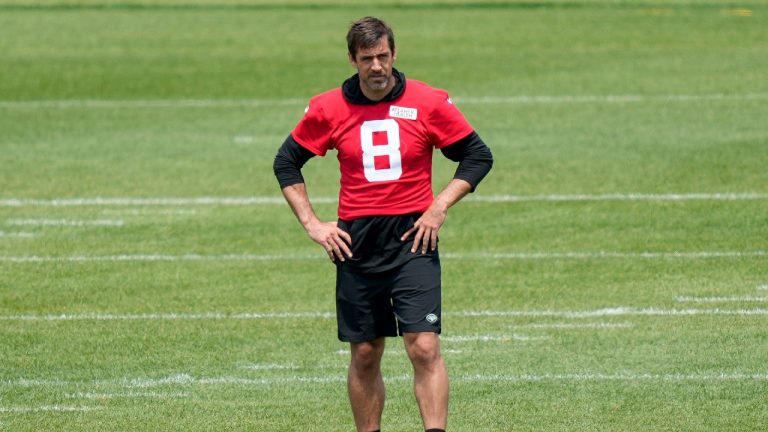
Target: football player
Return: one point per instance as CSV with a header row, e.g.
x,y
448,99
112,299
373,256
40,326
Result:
x,y
384,244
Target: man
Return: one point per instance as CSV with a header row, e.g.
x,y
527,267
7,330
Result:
x,y
384,243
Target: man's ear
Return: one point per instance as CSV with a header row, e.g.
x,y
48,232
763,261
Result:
x,y
351,59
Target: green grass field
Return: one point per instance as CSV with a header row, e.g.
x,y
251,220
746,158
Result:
x,y
610,274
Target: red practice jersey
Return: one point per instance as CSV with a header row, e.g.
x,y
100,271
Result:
x,y
384,149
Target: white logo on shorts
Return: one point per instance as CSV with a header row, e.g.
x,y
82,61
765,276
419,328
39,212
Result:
x,y
432,318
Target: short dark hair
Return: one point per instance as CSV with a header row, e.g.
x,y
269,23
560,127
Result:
x,y
366,33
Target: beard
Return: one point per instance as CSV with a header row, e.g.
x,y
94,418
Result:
x,y
377,82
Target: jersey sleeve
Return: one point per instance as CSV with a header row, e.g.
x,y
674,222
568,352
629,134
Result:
x,y
314,130
447,124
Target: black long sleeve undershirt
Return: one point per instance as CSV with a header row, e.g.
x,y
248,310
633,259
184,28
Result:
x,y
288,162
474,158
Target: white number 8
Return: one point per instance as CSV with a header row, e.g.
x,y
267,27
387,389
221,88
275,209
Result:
x,y
391,149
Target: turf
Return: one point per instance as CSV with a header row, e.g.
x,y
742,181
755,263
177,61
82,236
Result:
x,y
610,274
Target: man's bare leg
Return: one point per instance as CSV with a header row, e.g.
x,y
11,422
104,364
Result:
x,y
430,378
366,385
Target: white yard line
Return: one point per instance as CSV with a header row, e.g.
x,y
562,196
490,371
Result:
x,y
721,196
47,409
65,222
149,212
611,312
279,200
152,103
300,102
743,299
621,376
156,258
151,201
622,311
269,366
593,255
127,395
20,234
170,316
186,380
572,326
493,338
304,257
627,98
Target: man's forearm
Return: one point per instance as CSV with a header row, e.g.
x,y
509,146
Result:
x,y
453,192
426,227
327,234
298,200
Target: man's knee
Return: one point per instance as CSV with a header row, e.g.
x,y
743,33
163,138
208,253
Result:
x,y
423,348
367,355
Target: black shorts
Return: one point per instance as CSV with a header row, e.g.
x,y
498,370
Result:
x,y
405,299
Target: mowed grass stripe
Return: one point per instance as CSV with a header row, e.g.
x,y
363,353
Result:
x,y
274,102
278,200
109,6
